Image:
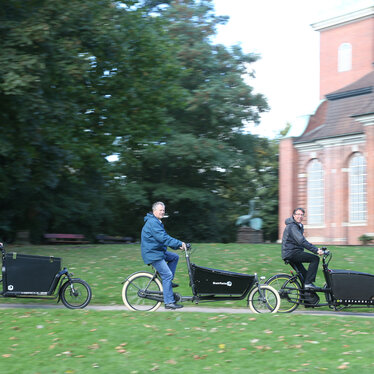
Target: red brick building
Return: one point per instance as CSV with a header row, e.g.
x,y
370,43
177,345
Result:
x,y
329,168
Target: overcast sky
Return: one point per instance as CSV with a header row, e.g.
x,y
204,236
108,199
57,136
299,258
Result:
x,y
280,31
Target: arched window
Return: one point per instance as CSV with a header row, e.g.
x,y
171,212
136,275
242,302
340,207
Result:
x,y
315,191
357,188
345,57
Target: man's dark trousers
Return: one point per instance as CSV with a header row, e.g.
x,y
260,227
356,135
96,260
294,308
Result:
x,y
310,275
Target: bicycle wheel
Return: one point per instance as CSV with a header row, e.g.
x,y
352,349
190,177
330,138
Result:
x,y
289,291
75,294
264,299
139,282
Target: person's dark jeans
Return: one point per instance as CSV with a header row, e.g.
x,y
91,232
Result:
x,y
166,268
309,275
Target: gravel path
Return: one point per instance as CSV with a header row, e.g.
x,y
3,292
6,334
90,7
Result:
x,y
186,309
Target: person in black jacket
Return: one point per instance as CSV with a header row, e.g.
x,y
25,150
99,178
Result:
x,y
293,244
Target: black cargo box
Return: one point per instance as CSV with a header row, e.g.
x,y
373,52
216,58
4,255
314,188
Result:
x,y
29,274
219,282
352,285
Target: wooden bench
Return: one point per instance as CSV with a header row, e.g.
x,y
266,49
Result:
x,y
107,239
65,238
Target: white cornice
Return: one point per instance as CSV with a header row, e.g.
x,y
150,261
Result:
x,y
344,19
330,142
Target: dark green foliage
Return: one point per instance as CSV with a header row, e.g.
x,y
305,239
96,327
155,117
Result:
x,y
83,79
74,76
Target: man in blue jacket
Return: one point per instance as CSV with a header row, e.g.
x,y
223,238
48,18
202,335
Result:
x,y
154,243
293,244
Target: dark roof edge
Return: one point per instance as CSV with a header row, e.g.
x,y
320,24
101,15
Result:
x,y
362,114
328,137
342,95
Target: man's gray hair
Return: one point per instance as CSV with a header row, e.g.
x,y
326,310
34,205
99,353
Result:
x,y
156,204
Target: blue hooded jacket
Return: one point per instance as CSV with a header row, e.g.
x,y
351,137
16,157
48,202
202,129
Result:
x,y
155,240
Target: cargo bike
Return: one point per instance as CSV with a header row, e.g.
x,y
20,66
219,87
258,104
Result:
x,y
41,277
144,291
342,288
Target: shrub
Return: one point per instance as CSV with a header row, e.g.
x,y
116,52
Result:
x,y
365,239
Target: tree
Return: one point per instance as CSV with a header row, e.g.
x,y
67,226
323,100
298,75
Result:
x,y
202,168
84,79
79,77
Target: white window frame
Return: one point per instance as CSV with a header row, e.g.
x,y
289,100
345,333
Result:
x,y
357,189
315,193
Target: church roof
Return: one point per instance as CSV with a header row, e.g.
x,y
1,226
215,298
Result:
x,y
336,116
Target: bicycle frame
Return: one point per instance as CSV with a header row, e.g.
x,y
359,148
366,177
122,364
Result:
x,y
305,296
35,277
207,285
218,283
343,288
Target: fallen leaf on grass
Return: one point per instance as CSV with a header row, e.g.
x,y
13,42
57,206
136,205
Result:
x,y
120,348
172,362
311,341
94,346
263,347
343,366
197,357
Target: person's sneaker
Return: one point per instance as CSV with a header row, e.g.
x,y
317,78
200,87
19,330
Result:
x,y
173,306
310,286
174,285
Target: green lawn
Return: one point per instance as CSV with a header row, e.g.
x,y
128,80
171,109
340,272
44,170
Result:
x,y
48,341
85,341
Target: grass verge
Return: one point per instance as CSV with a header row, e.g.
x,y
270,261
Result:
x,y
85,341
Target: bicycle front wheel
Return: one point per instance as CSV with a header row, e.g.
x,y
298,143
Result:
x,y
133,292
264,299
289,291
76,294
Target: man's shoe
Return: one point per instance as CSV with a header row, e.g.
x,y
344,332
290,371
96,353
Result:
x,y
174,284
173,306
310,286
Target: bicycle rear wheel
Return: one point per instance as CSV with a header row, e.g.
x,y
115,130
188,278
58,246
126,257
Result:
x,y
289,291
133,292
264,299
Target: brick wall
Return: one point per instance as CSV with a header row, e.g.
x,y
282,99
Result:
x,y
334,156
360,35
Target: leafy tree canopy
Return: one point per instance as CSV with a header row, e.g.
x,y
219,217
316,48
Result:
x,y
83,79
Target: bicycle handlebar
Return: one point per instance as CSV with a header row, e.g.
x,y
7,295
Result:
x,y
326,252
